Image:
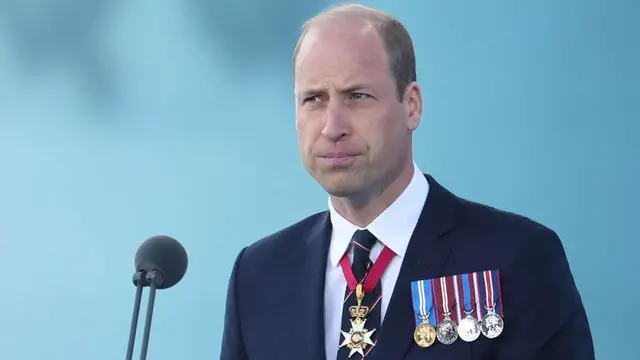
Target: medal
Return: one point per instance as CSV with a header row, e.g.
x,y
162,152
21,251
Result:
x,y
447,330
492,324
425,334
359,338
469,328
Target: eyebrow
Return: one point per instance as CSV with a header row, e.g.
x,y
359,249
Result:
x,y
354,87
348,89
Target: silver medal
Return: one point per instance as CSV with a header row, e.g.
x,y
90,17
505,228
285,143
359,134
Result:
x,y
492,325
469,328
447,331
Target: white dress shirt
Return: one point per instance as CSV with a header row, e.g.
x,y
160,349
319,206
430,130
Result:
x,y
392,228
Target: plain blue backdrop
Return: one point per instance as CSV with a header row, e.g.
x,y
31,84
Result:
x,y
120,120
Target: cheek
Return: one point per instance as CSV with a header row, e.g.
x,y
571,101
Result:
x,y
306,121
306,135
375,130
383,138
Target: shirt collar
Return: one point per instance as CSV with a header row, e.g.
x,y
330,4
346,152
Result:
x,y
393,227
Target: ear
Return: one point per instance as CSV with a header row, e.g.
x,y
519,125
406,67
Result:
x,y
413,105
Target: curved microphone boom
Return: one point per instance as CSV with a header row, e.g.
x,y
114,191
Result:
x,y
160,263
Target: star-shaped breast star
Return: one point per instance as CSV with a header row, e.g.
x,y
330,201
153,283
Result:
x,y
357,338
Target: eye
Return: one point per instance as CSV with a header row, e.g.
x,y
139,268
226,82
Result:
x,y
358,96
311,99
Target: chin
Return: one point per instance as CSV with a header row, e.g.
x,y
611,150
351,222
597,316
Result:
x,y
340,192
339,182
340,186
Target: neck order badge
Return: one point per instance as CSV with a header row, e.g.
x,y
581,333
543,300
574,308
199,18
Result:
x,y
358,339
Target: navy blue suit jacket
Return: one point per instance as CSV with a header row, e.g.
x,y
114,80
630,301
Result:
x,y
275,301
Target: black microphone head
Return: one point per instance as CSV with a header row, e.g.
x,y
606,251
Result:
x,y
165,254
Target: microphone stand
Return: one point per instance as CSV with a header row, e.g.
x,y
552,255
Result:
x,y
142,279
154,279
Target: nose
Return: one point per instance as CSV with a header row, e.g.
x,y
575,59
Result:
x,y
336,124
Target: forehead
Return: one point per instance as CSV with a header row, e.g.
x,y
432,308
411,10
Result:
x,y
341,52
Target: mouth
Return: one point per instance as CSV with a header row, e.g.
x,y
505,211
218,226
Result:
x,y
337,160
338,155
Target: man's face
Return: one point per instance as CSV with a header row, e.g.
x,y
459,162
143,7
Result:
x,y
354,134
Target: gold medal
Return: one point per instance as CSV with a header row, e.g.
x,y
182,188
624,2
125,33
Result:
x,y
424,335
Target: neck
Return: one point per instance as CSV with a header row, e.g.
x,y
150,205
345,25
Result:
x,y
361,211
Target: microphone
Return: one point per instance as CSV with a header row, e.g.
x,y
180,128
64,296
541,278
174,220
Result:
x,y
160,263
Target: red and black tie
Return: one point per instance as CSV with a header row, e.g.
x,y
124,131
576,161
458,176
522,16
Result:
x,y
361,243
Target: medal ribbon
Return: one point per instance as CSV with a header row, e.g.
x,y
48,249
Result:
x,y
439,305
476,296
468,294
450,285
490,279
456,284
423,301
440,298
497,293
488,287
446,309
373,275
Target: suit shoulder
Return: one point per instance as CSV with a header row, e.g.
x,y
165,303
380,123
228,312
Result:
x,y
507,228
286,239
493,217
497,238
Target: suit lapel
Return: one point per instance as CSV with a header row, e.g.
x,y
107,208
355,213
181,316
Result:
x,y
425,258
309,311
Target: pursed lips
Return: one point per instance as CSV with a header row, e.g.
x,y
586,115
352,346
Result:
x,y
337,159
337,155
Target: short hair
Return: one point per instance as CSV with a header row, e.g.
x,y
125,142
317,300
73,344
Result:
x,y
395,38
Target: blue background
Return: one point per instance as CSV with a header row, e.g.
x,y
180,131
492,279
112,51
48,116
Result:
x,y
120,120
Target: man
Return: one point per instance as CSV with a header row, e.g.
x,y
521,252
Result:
x,y
398,267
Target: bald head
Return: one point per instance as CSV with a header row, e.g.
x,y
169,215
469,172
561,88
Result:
x,y
394,36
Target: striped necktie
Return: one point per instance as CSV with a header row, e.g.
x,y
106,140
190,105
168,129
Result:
x,y
357,339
